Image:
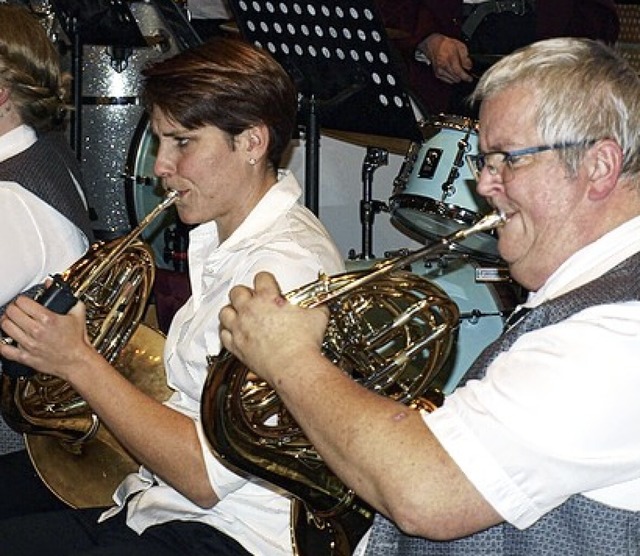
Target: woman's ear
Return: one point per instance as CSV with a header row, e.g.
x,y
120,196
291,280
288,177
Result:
x,y
257,138
604,166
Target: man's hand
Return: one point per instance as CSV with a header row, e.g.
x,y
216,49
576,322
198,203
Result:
x,y
449,58
265,331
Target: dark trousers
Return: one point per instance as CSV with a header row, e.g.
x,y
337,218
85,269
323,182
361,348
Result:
x,y
33,522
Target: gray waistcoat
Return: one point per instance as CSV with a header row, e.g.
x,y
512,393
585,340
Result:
x,y
43,169
579,527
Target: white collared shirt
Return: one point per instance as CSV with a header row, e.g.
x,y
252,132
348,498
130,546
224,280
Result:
x,y
37,241
557,414
279,236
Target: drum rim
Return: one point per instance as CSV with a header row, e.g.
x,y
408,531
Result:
x,y
450,121
450,212
428,205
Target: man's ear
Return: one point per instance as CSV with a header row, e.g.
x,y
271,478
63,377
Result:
x,y
604,166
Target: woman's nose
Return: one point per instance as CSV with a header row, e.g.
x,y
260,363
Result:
x,y
163,166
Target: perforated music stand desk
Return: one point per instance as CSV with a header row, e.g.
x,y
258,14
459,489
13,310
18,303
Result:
x,y
339,58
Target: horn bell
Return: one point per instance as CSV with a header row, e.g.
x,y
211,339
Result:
x,y
392,335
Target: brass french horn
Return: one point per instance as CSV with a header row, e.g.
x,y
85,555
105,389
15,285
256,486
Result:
x,y
77,457
389,330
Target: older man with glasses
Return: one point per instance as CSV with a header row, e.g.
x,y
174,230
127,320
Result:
x,y
538,453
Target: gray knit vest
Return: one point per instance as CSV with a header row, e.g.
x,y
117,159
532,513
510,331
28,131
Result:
x,y
43,169
580,526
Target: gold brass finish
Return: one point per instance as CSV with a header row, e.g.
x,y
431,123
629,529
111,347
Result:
x,y
87,475
64,437
389,330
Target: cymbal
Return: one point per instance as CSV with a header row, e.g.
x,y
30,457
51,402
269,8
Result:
x,y
395,145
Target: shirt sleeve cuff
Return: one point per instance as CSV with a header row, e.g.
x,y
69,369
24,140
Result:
x,y
419,53
223,481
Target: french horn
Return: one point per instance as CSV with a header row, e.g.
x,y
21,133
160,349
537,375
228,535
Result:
x,y
74,454
389,330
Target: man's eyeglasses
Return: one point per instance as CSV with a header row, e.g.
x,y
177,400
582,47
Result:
x,y
506,162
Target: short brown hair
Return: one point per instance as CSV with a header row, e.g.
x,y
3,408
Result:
x,y
227,83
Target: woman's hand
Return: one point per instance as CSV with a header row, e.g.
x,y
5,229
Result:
x,y
46,341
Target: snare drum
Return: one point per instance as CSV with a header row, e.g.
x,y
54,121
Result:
x,y
434,194
485,297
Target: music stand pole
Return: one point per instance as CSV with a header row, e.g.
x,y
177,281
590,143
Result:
x,y
312,157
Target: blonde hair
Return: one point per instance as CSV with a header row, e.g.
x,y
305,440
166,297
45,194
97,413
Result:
x,y
30,69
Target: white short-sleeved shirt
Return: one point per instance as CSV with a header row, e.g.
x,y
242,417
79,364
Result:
x,y
558,413
286,239
38,241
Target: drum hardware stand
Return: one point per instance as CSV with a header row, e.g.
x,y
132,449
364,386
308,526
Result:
x,y
337,54
448,189
369,207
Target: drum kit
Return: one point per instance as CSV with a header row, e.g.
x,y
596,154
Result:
x,y
433,194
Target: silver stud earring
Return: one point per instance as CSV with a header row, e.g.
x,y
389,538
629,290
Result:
x,y
252,161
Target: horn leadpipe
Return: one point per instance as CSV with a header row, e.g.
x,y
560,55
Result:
x,y
70,297
124,243
488,222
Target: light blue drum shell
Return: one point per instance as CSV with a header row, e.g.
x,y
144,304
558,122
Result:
x,y
144,192
483,307
435,191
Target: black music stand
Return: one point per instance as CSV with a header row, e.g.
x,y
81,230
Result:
x,y
339,58
175,19
99,22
